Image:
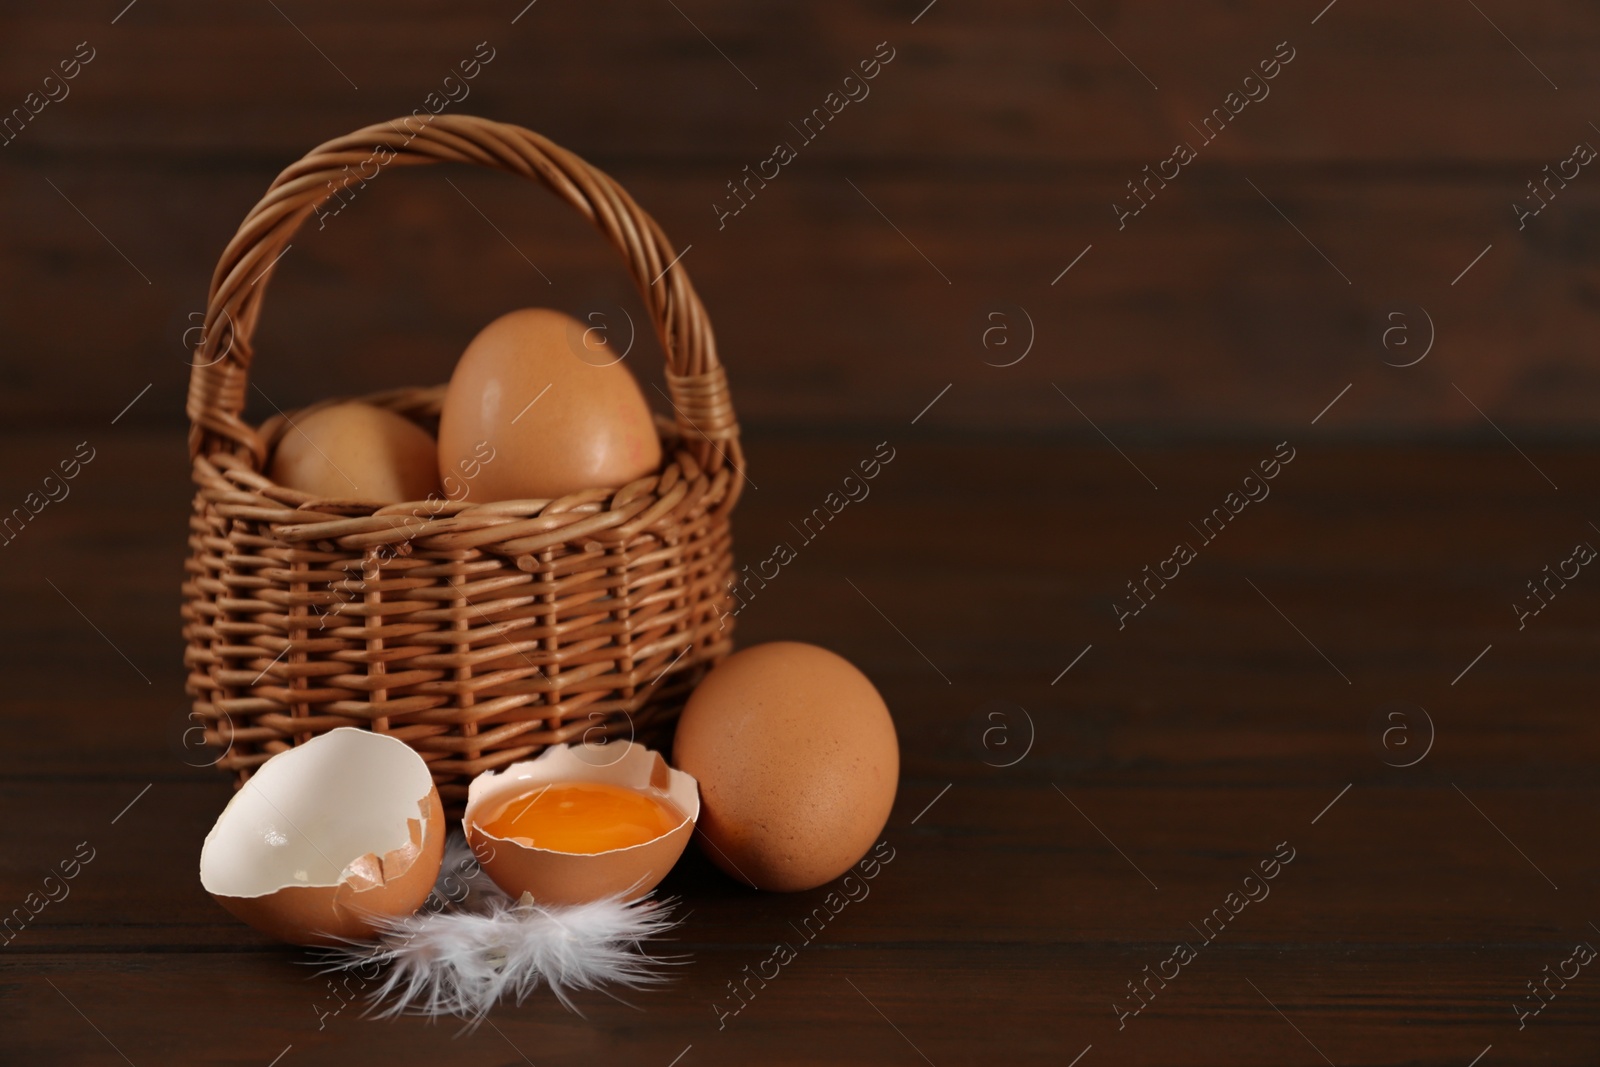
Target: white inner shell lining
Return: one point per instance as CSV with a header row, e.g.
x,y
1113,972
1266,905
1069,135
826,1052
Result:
x,y
311,811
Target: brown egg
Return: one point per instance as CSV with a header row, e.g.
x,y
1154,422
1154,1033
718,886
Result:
x,y
556,877
355,451
553,405
797,762
328,839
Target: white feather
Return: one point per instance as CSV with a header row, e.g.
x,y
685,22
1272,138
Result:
x,y
471,946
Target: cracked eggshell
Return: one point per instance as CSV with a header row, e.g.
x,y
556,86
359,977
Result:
x,y
579,878
327,838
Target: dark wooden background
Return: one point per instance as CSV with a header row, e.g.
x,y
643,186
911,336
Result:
x,y
1175,753
996,140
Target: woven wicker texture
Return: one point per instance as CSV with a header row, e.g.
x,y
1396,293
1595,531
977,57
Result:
x,y
477,634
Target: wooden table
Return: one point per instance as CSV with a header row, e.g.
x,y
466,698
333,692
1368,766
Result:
x,y
1076,799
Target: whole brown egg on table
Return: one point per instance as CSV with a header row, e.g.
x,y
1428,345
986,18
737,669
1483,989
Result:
x,y
797,761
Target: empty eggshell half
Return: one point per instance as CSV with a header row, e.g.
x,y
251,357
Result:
x,y
579,878
327,838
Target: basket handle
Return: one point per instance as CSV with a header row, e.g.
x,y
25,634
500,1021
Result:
x,y
219,375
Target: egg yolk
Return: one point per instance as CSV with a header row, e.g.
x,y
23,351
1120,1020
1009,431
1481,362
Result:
x,y
581,817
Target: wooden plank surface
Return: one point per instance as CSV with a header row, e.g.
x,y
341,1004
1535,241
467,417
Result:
x,y
1207,315
1080,784
1009,82
1172,758
996,143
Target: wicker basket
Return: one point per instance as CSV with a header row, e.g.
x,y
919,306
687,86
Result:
x,y
477,634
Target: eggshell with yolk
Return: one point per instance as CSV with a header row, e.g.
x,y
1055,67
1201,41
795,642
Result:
x,y
580,878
